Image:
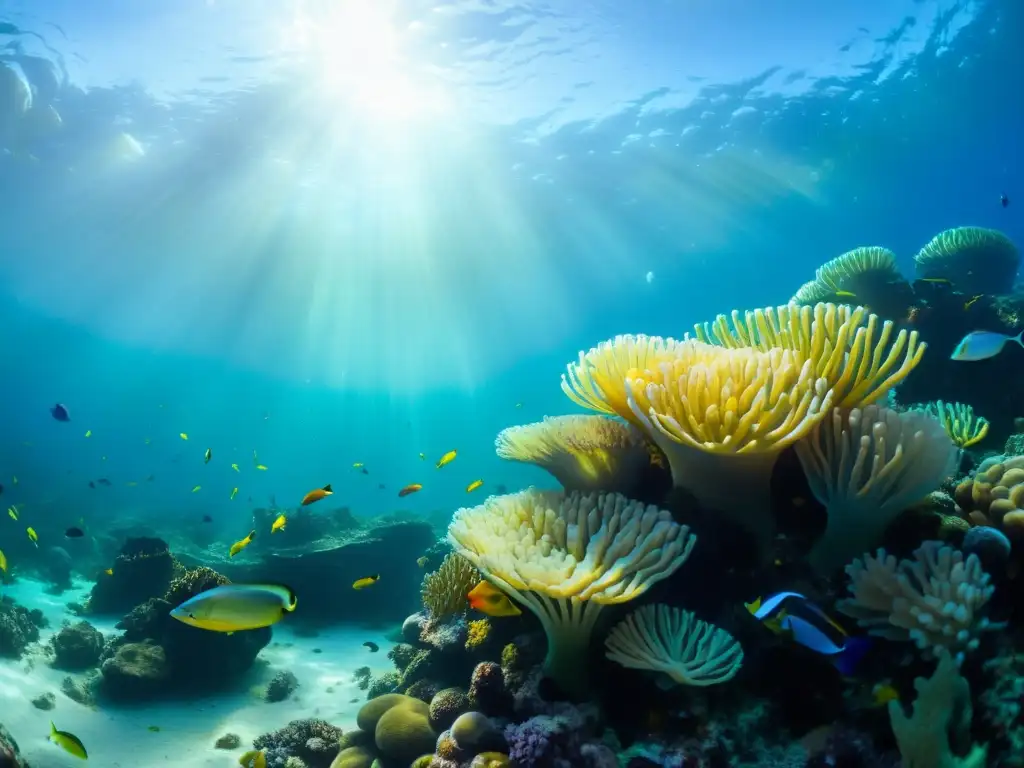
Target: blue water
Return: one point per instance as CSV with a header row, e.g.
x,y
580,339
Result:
x,y
354,232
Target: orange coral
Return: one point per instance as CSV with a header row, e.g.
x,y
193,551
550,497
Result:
x,y
995,495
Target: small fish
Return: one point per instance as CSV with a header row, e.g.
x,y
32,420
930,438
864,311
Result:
x,y
109,572
234,492
154,729
279,524
448,458
88,433
3,561
970,302
261,467
883,693
14,479
207,456
364,471
68,742
74,533
422,561
1004,200
32,536
488,599
12,512
519,405
147,441
935,280
474,485
197,489
131,483
235,467
254,758
317,494
207,519
792,615
365,582
104,481
357,465
381,486
981,345
845,295
238,546
237,607
92,484
183,435
411,488
423,457
60,412
372,646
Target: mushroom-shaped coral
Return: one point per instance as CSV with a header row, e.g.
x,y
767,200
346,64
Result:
x,y
444,591
934,600
660,638
722,416
963,426
866,275
584,453
974,259
565,557
867,466
995,495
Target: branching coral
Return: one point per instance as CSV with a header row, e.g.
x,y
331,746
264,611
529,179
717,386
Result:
x,y
867,466
962,425
660,638
584,453
995,495
444,591
934,600
975,259
565,557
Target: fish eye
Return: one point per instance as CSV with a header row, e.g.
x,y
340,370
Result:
x,y
191,615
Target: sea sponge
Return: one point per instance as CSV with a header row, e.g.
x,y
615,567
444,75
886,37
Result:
x,y
565,557
403,731
963,426
974,259
446,706
867,466
934,600
479,630
995,495
674,642
868,273
583,453
444,591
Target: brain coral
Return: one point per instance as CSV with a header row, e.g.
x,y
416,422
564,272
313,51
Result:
x,y
995,495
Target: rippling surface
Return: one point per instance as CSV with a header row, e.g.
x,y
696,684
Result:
x,y
413,195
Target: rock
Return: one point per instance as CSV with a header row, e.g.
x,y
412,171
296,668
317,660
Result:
x,y
229,741
142,570
77,646
281,687
10,757
137,671
78,691
19,627
44,701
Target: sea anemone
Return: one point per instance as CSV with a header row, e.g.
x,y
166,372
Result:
x,y
865,274
674,642
566,557
974,259
584,453
867,466
964,427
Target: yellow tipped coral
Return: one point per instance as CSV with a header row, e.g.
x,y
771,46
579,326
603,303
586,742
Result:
x,y
960,422
566,557
723,415
444,591
974,259
867,466
598,380
584,453
674,642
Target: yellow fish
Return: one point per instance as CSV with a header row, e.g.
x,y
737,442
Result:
x,y
357,465
279,524
883,693
238,546
422,561
13,512
368,581
487,598
234,492
970,302
88,433
262,467
207,456
235,467
3,561
236,607
474,485
448,458
109,571
254,758
197,489
68,742
183,435
32,536
845,295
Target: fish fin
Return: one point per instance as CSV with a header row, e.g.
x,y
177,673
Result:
x,y
855,649
327,489
826,618
1019,338
754,606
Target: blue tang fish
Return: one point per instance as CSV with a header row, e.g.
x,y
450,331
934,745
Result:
x,y
981,345
792,615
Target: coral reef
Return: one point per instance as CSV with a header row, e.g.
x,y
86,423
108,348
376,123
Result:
x,y
975,259
993,496
281,687
444,591
315,742
136,671
77,646
143,569
10,756
19,627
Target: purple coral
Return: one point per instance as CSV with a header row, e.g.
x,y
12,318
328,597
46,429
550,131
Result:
x,y
313,741
557,741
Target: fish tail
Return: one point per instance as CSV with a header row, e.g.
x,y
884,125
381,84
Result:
x,y
1019,338
853,651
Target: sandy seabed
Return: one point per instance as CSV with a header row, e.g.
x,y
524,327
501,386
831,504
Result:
x,y
120,736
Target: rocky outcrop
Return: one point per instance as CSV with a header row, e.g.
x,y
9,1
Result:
x,y
77,646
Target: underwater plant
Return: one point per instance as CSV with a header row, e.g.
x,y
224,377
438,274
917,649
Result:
x,y
583,452
444,590
567,556
975,259
867,466
674,642
934,600
963,426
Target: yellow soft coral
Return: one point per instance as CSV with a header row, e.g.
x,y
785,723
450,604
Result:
x,y
963,426
478,633
584,453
